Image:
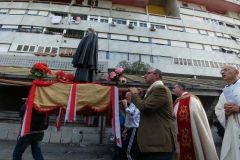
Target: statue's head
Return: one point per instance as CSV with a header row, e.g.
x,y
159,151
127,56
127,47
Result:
x,y
90,30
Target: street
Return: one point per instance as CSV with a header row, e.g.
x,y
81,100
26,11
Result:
x,y
57,151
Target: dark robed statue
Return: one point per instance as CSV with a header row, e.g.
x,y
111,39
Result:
x,y
86,58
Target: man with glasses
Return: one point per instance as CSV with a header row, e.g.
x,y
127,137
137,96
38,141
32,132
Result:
x,y
228,113
195,139
156,132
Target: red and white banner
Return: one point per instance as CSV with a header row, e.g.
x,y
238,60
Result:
x,y
71,107
59,119
115,115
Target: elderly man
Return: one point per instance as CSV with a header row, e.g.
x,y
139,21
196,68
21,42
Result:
x,y
194,134
228,113
130,148
156,131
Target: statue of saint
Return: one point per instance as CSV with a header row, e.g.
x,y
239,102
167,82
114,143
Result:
x,y
86,58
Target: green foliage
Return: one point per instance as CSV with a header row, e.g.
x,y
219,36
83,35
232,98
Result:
x,y
136,67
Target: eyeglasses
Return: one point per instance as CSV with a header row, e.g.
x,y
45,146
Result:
x,y
225,70
149,73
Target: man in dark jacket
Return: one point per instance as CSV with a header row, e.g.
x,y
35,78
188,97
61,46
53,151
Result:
x,y
39,123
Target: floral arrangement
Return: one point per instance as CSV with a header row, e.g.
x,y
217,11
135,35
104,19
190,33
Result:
x,y
40,70
60,75
116,76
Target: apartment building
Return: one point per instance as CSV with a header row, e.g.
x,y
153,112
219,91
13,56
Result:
x,y
190,39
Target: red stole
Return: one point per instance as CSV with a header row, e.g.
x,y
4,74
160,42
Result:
x,y
184,128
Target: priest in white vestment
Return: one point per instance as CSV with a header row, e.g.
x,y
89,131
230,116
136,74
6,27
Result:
x,y
195,139
228,113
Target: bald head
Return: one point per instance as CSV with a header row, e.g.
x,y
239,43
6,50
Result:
x,y
128,96
229,73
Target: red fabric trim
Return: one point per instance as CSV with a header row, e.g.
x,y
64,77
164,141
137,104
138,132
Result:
x,y
72,103
185,130
58,124
87,120
29,106
113,109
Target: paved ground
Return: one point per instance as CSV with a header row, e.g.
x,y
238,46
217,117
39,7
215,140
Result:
x,y
74,151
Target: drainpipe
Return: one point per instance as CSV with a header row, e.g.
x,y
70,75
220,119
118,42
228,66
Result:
x,y
101,130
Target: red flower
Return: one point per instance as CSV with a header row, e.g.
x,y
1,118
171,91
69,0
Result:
x,y
60,74
69,77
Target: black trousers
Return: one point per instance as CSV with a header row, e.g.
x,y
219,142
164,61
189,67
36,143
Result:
x,y
130,150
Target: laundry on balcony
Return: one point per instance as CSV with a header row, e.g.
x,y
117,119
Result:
x,y
56,19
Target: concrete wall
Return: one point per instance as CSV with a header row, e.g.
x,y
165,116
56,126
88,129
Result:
x,y
9,131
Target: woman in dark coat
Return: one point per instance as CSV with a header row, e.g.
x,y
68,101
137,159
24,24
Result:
x,y
86,58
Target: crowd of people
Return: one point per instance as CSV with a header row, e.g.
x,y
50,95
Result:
x,y
181,130
153,125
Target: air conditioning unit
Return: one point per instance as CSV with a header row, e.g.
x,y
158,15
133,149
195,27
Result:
x,y
113,24
152,28
131,26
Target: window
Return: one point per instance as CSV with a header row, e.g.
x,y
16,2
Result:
x,y
133,57
206,64
188,17
145,58
159,41
143,24
119,37
8,28
156,59
104,20
211,64
158,26
43,13
133,23
215,48
17,12
25,48
203,32
25,28
3,11
37,29
101,55
202,62
191,30
214,22
94,19
133,38
66,51
82,16
175,61
219,35
175,28
210,33
178,44
32,12
207,47
144,40
118,21
4,47
206,20
189,62
195,46
200,19
226,36
62,14
230,25
103,35
221,23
